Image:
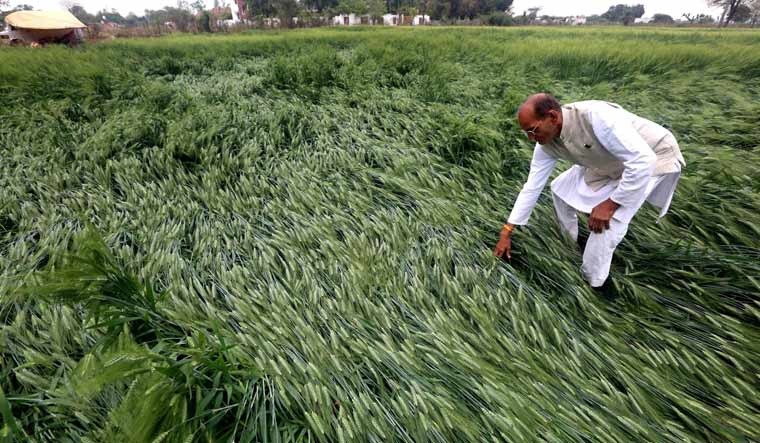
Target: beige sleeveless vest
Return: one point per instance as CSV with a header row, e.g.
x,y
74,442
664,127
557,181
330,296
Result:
x,y
579,145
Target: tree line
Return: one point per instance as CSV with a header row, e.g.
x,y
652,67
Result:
x,y
195,15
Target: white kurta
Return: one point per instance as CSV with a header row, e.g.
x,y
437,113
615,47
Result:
x,y
615,132
637,185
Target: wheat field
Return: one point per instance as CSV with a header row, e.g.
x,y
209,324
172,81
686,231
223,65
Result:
x,y
287,237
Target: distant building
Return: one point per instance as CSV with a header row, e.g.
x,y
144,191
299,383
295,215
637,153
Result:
x,y
106,25
421,20
271,22
346,20
221,13
391,19
400,19
239,10
578,20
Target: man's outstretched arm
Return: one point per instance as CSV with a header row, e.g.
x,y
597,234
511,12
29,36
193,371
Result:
x,y
541,167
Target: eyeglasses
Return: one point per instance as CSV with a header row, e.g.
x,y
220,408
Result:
x,y
531,131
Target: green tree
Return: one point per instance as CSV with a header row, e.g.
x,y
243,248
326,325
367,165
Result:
x,y
499,18
754,6
438,9
441,9
595,19
204,21
319,5
729,9
662,19
182,18
259,8
530,15
743,14
624,14
701,19
376,8
352,7
132,20
112,16
286,10
81,14
488,6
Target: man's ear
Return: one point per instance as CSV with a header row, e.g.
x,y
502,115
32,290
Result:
x,y
554,115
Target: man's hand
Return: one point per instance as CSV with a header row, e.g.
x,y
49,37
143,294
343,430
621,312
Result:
x,y
600,217
504,246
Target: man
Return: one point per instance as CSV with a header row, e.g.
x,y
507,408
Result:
x,y
620,161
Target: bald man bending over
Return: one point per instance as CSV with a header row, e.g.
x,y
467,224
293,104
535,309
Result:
x,y
620,160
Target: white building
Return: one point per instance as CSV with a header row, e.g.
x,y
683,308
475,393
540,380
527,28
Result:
x,y
421,20
578,20
346,20
271,22
235,13
391,19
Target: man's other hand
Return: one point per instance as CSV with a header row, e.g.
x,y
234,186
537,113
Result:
x,y
600,217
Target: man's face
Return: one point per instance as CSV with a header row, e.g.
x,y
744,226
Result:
x,y
540,130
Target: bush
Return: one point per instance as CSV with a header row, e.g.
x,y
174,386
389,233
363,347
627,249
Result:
x,y
662,19
499,19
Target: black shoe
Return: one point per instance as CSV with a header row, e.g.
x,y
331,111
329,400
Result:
x,y
607,290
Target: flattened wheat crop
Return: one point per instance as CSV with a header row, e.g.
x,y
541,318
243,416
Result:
x,y
287,236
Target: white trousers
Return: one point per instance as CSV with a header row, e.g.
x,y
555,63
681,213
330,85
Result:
x,y
599,248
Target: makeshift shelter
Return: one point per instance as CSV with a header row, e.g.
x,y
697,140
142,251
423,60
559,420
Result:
x,y
28,27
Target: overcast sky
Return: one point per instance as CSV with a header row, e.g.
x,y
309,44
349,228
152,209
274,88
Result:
x,y
673,8
550,7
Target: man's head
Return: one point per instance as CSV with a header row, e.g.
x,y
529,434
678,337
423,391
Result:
x,y
540,117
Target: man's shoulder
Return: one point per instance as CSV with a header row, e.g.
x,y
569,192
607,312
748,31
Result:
x,y
592,105
598,113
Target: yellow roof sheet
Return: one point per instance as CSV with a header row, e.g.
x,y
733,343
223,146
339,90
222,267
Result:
x,y
43,20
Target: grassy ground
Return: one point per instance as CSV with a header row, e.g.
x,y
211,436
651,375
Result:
x,y
287,237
